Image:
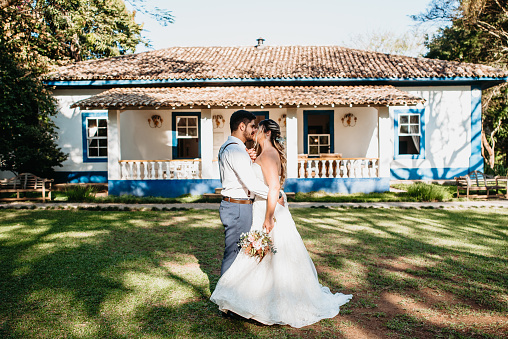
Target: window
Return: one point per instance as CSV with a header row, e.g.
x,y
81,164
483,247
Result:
x,y
319,143
186,139
318,132
409,134
95,136
187,127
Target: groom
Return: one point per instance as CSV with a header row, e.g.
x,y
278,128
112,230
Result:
x,y
239,183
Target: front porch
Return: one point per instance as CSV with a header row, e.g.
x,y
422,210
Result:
x,y
338,138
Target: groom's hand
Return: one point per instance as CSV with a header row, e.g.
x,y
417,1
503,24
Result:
x,y
252,153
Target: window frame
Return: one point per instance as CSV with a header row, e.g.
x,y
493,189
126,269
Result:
x,y
409,112
175,133
85,116
318,145
187,117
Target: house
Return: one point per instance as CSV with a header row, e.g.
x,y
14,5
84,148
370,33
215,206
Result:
x,y
151,124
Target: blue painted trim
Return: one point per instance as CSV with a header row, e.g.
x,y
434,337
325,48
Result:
x,y
90,114
175,188
398,112
162,188
174,130
306,129
139,82
338,185
428,173
476,162
81,177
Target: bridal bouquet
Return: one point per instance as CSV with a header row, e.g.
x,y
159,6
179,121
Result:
x,y
256,244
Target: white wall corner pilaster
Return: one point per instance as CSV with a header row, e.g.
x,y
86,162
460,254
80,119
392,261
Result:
x,y
385,133
292,143
114,150
206,144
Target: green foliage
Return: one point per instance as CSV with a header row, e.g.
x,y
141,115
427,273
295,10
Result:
x,y
34,36
498,170
45,31
477,34
427,192
80,193
27,133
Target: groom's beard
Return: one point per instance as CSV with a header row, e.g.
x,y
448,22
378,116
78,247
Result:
x,y
249,137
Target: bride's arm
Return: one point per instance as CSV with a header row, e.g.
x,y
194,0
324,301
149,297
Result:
x,y
271,174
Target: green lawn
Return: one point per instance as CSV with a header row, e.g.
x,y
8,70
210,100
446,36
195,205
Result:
x,y
108,274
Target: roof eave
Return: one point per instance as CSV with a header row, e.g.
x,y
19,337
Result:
x,y
482,82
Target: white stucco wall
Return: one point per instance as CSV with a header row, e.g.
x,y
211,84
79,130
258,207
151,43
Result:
x,y
141,142
70,130
447,128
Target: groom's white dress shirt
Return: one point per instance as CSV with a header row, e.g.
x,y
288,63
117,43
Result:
x,y
238,178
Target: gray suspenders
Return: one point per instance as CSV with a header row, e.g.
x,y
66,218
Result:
x,y
219,156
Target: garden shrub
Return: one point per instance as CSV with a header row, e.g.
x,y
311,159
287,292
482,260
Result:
x,y
80,193
427,192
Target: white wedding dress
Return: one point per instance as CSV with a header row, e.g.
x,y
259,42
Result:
x,y
281,289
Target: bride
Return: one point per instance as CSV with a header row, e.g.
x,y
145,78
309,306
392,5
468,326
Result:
x,y
283,288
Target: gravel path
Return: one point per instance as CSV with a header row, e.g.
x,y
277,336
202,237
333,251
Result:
x,y
215,206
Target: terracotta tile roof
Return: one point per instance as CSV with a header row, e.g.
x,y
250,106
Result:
x,y
270,62
239,96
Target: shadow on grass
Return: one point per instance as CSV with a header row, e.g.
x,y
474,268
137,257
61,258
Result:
x,y
129,274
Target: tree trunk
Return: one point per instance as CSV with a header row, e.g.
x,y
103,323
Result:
x,y
490,150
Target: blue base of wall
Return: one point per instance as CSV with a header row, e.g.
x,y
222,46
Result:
x,y
175,188
338,185
431,173
162,188
81,177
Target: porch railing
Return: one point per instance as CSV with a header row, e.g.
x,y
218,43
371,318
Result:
x,y
327,167
160,169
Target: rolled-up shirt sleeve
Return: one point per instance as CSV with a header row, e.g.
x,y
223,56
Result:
x,y
245,173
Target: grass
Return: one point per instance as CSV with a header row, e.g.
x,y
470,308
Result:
x,y
119,274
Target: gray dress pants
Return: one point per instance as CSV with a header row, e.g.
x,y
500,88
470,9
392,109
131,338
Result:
x,y
237,219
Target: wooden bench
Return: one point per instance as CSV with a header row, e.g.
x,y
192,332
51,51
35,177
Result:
x,y
26,182
477,182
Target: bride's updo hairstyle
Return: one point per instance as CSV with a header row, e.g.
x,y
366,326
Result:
x,y
278,142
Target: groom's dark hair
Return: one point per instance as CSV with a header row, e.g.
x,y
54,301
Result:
x,y
238,117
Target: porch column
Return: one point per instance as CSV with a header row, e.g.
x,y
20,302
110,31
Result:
x,y
114,151
385,141
292,143
206,144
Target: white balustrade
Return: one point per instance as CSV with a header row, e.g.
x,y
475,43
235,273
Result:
x,y
337,167
160,169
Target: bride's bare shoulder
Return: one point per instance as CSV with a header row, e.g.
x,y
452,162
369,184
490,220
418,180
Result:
x,y
268,157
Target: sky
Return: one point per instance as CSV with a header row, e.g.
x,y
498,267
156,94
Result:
x,y
279,22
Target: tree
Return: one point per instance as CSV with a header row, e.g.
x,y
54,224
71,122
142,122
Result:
x,y
62,30
410,43
34,36
27,132
478,33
